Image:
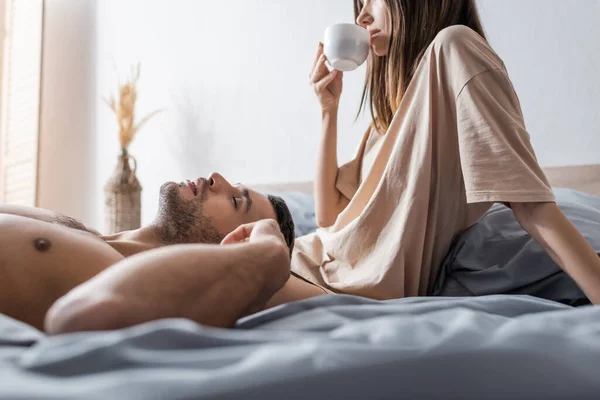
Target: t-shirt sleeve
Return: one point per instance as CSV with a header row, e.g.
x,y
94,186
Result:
x,y
348,178
497,159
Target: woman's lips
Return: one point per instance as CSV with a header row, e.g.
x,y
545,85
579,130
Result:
x,y
374,34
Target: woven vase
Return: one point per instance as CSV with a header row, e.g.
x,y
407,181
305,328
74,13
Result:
x,y
122,197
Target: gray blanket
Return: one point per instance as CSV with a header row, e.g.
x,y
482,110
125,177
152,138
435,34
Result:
x,y
497,256
499,347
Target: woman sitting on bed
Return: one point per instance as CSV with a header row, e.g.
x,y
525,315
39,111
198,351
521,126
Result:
x,y
447,141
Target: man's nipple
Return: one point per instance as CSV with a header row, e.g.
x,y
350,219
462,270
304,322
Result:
x,y
42,245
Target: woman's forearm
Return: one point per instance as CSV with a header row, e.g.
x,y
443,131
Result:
x,y
564,243
295,289
328,198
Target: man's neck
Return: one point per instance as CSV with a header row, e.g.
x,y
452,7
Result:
x,y
129,243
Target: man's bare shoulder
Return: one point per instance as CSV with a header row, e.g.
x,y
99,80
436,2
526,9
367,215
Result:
x,y
41,261
48,216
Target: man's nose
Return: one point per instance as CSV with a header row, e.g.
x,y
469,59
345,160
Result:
x,y
217,182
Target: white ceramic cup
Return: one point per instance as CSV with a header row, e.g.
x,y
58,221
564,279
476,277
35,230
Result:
x,y
346,46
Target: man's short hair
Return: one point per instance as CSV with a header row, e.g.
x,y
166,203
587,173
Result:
x,y
284,219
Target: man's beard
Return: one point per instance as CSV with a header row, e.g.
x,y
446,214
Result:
x,y
182,221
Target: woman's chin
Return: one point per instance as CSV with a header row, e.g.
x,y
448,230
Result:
x,y
379,52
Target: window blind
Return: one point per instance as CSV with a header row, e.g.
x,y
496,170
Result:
x,y
21,101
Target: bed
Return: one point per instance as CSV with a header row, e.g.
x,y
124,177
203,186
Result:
x,y
492,347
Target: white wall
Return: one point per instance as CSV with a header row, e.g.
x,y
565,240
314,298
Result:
x,y
233,75
552,51
66,176
234,78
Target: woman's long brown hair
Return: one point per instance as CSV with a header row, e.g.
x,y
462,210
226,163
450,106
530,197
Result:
x,y
415,23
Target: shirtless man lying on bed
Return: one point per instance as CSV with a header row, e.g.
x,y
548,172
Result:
x,y
58,275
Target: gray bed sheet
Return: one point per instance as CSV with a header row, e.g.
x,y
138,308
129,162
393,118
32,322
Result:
x,y
497,347
497,256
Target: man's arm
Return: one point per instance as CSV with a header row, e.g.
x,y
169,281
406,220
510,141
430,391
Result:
x,y
212,285
560,238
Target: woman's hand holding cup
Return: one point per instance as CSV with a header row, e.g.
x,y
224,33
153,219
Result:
x,y
326,84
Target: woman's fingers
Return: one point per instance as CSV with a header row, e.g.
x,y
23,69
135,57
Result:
x,y
320,70
323,83
319,52
326,83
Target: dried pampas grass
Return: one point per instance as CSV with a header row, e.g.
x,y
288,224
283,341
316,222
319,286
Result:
x,y
125,110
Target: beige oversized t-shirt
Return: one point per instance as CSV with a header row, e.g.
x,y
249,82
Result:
x,y
456,145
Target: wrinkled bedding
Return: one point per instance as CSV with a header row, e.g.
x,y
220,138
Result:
x,y
498,347
497,256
